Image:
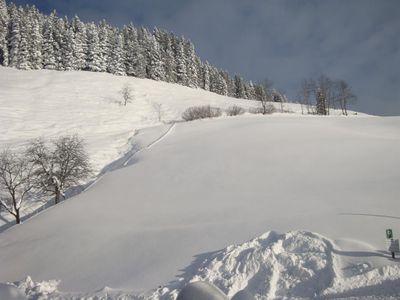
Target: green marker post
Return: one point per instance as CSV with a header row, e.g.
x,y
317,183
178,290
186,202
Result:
x,y
389,236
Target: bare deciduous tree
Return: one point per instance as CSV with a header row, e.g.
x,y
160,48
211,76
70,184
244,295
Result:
x,y
15,182
344,95
327,94
127,94
267,108
63,165
307,87
158,107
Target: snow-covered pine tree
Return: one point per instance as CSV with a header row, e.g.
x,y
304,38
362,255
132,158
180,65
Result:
x,y
116,61
23,51
29,39
259,92
35,39
48,55
181,71
168,57
155,69
105,36
217,82
191,65
4,19
206,76
131,49
143,38
250,93
79,46
14,36
59,35
240,91
230,84
93,59
68,48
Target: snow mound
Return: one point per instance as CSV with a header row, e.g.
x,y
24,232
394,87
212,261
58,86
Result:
x,y
297,264
294,265
27,289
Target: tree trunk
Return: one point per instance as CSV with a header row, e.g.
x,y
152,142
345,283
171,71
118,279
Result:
x,y
17,217
57,196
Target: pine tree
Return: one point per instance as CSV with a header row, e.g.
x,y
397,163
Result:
x,y
181,72
48,55
206,76
133,56
116,60
259,93
93,58
59,33
250,92
229,83
14,36
239,88
155,68
168,58
35,40
191,65
23,47
68,48
79,46
217,82
4,20
30,40
105,36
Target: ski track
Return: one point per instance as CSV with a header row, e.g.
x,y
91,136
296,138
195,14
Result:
x,y
126,158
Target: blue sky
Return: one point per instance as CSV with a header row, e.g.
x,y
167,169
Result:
x,y
282,40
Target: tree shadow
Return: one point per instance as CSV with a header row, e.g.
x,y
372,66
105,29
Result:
x,y
370,215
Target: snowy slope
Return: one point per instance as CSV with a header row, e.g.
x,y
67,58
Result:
x,y
213,183
50,103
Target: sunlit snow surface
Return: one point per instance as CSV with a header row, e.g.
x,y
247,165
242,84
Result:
x,y
167,217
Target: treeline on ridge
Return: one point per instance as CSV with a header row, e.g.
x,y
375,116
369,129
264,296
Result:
x,y
32,40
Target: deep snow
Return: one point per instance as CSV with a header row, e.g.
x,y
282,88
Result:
x,y
181,193
44,103
209,184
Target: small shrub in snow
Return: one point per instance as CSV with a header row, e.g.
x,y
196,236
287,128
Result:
x,y
265,109
255,110
234,111
201,112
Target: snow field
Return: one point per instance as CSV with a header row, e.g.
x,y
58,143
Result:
x,y
178,194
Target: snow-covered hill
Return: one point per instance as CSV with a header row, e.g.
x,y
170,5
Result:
x,y
318,192
46,103
49,103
